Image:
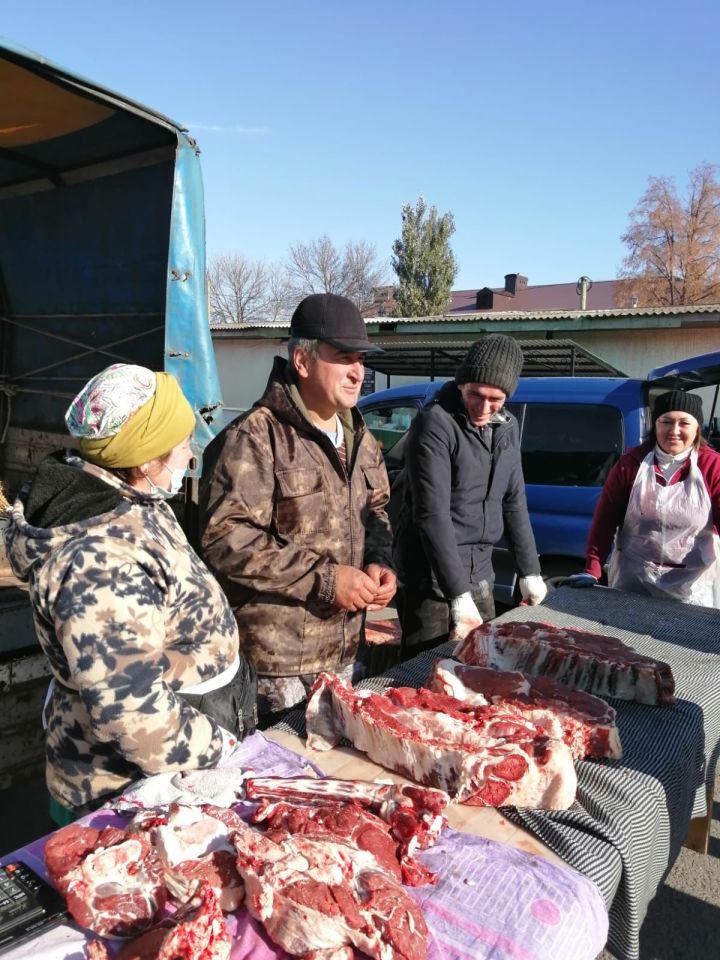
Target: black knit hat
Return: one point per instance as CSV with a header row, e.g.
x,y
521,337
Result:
x,y
678,400
496,360
334,320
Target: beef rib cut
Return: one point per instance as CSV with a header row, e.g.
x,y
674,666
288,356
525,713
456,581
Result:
x,y
593,662
587,723
479,755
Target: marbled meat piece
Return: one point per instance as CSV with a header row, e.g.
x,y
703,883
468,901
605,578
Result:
x,y
593,662
320,897
116,889
349,822
479,755
587,722
68,847
415,814
194,847
203,936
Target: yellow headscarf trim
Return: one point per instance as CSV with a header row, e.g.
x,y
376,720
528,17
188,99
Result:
x,y
165,420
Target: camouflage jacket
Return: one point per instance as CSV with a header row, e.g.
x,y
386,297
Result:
x,y
128,615
279,512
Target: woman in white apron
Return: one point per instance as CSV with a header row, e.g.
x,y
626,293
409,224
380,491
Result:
x,y
660,507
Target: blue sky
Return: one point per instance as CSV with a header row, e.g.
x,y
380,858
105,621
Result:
x,y
536,124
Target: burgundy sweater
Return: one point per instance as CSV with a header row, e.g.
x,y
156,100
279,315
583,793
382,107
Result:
x,y
611,507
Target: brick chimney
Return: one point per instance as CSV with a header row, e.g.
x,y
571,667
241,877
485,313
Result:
x,y
514,283
484,299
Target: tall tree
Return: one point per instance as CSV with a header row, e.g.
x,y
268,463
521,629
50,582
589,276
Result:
x,y
674,243
423,261
320,267
237,289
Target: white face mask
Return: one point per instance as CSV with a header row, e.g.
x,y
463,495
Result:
x,y
177,476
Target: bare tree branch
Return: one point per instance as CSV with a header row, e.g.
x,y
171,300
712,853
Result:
x,y
319,267
237,289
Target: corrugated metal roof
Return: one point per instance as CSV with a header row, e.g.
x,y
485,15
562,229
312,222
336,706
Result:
x,y
542,358
495,316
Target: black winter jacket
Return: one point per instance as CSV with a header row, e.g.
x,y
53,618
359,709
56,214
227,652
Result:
x,y
460,494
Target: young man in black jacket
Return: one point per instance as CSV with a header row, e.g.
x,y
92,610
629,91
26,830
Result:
x,y
463,488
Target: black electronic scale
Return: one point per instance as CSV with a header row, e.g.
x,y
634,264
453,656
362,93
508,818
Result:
x,y
29,905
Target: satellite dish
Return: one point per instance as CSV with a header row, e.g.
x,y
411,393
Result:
x,y
583,283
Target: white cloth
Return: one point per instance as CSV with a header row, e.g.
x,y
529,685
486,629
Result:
x,y
667,546
219,786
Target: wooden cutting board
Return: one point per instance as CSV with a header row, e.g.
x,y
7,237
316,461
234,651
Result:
x,y
349,764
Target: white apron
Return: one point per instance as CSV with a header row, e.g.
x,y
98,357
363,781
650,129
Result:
x,y
666,546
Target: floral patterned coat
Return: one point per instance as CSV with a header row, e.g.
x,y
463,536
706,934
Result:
x,y
128,616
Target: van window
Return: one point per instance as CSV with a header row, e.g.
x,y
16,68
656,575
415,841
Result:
x,y
570,445
389,423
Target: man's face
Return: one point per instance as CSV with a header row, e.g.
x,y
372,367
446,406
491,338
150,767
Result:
x,y
481,401
331,381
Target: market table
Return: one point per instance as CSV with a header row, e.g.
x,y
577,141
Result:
x,y
492,900
631,816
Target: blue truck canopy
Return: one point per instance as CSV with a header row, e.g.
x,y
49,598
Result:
x,y
102,247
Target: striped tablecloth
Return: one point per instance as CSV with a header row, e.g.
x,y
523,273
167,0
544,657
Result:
x,y
631,816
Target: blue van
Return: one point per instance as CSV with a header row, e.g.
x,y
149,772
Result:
x,y
572,430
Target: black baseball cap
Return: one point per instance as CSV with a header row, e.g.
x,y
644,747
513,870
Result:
x,y
334,320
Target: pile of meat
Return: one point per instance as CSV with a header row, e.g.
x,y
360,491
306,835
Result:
x,y
504,724
322,866
481,755
587,661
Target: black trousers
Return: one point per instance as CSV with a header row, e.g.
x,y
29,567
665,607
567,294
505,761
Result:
x,y
425,620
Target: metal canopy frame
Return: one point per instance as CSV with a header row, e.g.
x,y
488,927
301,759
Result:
x,y
436,358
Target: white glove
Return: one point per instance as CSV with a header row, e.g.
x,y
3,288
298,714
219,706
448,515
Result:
x,y
533,589
464,616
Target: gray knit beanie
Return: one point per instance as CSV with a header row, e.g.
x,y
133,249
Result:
x,y
678,400
495,359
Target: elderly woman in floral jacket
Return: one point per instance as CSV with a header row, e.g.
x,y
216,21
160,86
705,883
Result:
x,y
142,644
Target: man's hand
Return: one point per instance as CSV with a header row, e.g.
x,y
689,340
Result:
x,y
385,585
464,617
354,589
533,589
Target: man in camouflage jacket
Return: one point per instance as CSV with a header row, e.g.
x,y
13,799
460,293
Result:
x,y
292,506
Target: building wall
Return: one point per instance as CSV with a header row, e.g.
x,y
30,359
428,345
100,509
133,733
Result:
x,y
243,368
636,352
